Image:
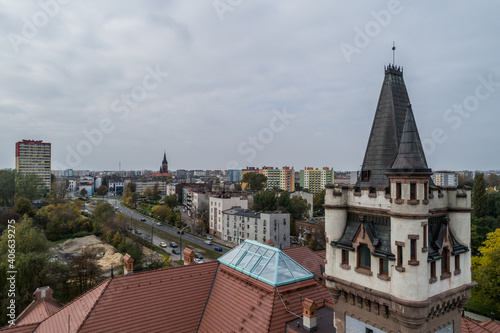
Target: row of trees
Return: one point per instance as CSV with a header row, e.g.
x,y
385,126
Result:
x,y
15,185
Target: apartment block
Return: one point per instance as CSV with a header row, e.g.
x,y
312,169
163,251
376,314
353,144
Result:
x,y
283,179
217,204
34,156
315,180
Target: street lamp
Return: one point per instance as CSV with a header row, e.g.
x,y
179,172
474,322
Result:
x,y
181,232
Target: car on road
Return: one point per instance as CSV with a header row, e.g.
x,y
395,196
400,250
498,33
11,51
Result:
x,y
176,251
208,242
163,244
138,232
198,256
143,219
130,227
158,223
173,244
198,261
218,249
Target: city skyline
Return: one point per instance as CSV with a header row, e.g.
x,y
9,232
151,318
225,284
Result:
x,y
228,85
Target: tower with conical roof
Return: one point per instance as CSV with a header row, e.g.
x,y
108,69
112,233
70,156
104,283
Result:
x,y
397,256
164,163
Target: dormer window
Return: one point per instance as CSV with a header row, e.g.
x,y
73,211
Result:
x,y
365,175
364,257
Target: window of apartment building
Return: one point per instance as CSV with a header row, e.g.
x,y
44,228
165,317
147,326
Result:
x,y
255,237
345,257
264,239
368,330
248,234
284,221
445,264
264,223
398,190
413,191
364,257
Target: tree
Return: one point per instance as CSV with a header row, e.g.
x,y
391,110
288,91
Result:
x,y
23,206
284,200
170,200
83,192
29,186
149,193
493,203
84,273
102,190
479,200
127,197
156,192
318,202
265,201
58,191
493,180
299,208
132,186
162,212
254,181
486,271
7,187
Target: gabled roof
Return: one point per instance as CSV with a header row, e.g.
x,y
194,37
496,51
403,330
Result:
x,y
472,326
265,263
38,311
385,135
440,232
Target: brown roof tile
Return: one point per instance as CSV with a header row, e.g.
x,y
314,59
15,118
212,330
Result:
x,y
472,326
38,311
19,328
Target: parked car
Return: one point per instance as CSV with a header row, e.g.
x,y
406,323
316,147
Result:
x,y
138,232
176,251
209,237
208,242
163,244
218,249
130,227
198,256
143,219
198,261
158,223
173,244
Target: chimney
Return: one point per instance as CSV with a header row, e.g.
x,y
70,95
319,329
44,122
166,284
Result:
x,y
128,264
43,292
188,256
309,315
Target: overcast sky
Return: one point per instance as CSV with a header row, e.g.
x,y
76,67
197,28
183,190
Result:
x,y
229,84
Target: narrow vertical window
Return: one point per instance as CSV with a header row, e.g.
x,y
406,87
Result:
x,y
398,190
400,256
424,245
413,191
364,257
384,266
445,264
457,265
433,272
413,249
345,257
426,190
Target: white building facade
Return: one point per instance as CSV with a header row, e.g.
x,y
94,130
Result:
x,y
217,204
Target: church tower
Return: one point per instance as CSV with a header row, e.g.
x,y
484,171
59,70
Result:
x,y
398,256
164,163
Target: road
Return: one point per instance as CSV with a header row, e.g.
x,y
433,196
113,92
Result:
x,y
146,234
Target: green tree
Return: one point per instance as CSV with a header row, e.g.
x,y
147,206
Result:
x,y
493,180
84,273
23,206
132,186
7,187
171,200
486,271
102,190
254,181
58,192
318,202
265,201
83,192
493,203
479,200
284,200
127,197
29,186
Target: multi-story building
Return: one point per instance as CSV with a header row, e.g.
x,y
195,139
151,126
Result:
x,y
282,179
397,247
315,180
34,156
240,224
141,186
217,204
311,229
234,175
445,178
86,183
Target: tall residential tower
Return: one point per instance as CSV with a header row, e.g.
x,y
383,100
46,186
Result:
x,y
33,156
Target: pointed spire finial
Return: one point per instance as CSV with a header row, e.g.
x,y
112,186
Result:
x,y
393,52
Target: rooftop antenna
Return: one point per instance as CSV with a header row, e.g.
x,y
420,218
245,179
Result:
x,y
393,53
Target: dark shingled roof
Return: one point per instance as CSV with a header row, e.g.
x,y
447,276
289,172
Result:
x,y
378,230
410,155
387,128
438,226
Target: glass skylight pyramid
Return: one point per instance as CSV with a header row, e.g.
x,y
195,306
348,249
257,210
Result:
x,y
265,263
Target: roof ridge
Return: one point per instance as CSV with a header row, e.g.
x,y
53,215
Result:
x,y
208,297
108,282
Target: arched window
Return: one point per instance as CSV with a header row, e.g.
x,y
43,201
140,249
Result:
x,y
364,257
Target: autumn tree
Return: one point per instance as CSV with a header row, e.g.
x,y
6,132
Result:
x,y
84,273
24,206
162,212
318,202
58,192
148,193
493,180
170,200
486,271
156,192
83,192
132,186
254,181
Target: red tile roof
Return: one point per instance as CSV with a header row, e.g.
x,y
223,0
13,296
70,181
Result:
x,y
472,326
258,306
20,328
38,311
307,258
